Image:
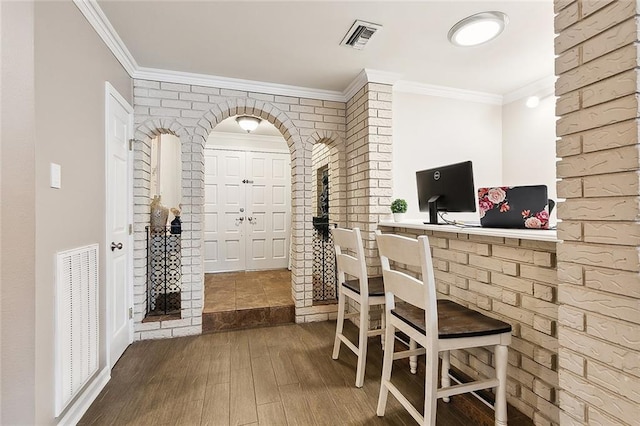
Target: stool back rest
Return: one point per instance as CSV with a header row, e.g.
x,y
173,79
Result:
x,y
398,283
354,265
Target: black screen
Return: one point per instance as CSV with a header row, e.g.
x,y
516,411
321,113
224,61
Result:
x,y
450,185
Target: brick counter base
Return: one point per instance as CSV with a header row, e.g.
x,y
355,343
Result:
x,y
513,280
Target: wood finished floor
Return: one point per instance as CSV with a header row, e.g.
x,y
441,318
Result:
x,y
281,375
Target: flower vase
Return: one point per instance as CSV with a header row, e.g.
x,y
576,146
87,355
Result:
x,y
159,216
176,226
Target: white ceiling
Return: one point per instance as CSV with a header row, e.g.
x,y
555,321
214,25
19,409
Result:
x,y
297,42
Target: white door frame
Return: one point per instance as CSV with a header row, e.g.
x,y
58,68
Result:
x,y
111,92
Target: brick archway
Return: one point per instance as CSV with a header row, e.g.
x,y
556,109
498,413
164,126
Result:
x,y
193,133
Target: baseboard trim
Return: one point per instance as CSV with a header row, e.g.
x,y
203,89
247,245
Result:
x,y
78,408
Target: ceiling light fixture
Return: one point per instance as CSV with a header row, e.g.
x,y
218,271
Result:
x,y
248,123
478,29
532,101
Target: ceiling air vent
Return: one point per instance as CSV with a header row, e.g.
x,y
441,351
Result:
x,y
359,34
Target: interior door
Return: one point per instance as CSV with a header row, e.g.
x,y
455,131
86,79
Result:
x,y
119,128
224,242
247,210
268,211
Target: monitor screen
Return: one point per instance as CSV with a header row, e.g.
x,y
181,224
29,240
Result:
x,y
447,188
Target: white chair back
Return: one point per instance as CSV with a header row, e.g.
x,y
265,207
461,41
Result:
x,y
408,252
353,265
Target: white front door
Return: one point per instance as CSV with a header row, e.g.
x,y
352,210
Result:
x,y
269,192
119,129
247,210
224,243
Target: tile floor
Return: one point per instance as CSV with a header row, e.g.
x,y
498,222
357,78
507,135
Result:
x,y
247,299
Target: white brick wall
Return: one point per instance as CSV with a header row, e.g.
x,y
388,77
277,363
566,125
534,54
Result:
x,y
598,262
191,112
368,153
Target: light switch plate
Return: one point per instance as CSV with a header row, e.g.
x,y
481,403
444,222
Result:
x,y
56,178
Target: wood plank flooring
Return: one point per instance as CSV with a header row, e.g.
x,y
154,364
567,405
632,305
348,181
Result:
x,y
281,375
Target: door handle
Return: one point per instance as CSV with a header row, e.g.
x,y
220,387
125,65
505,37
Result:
x,y
115,246
239,220
252,220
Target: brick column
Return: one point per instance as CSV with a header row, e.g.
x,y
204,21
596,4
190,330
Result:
x,y
598,264
368,152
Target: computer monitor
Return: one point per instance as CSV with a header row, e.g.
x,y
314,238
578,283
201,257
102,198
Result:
x,y
447,188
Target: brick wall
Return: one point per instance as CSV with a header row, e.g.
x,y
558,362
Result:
x,y
513,280
369,155
598,264
190,112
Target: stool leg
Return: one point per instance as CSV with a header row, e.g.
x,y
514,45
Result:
x,y
387,363
362,344
444,374
413,359
501,355
430,387
382,321
339,324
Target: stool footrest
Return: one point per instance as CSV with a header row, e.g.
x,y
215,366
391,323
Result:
x,y
406,354
348,343
467,387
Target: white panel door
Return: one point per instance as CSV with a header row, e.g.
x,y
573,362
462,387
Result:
x,y
247,210
224,231
268,210
119,128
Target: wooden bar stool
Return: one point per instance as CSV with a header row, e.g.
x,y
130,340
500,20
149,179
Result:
x,y
367,291
438,326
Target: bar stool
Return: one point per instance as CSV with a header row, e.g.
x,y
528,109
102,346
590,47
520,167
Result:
x,y
438,326
367,291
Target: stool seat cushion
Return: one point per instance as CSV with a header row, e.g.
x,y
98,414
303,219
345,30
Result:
x,y
454,320
376,286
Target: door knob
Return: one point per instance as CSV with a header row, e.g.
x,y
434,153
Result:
x,y
251,220
239,220
116,246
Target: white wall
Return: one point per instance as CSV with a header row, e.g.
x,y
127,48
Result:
x,y
529,145
430,131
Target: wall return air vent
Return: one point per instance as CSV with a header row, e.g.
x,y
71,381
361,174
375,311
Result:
x,y
359,34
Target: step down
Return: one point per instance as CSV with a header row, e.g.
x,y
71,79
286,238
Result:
x,y
247,318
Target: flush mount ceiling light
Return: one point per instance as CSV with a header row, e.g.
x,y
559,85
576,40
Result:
x,y
248,123
477,29
532,101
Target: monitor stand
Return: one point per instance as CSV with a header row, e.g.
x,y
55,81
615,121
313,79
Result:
x,y
433,210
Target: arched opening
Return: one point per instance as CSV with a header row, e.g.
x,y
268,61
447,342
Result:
x,y
326,173
164,248
247,227
193,134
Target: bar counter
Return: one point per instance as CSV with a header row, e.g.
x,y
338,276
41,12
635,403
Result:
x,y
509,274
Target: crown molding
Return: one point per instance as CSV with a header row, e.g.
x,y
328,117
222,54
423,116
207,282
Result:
x,y
382,77
542,88
100,23
368,75
179,77
355,85
447,92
